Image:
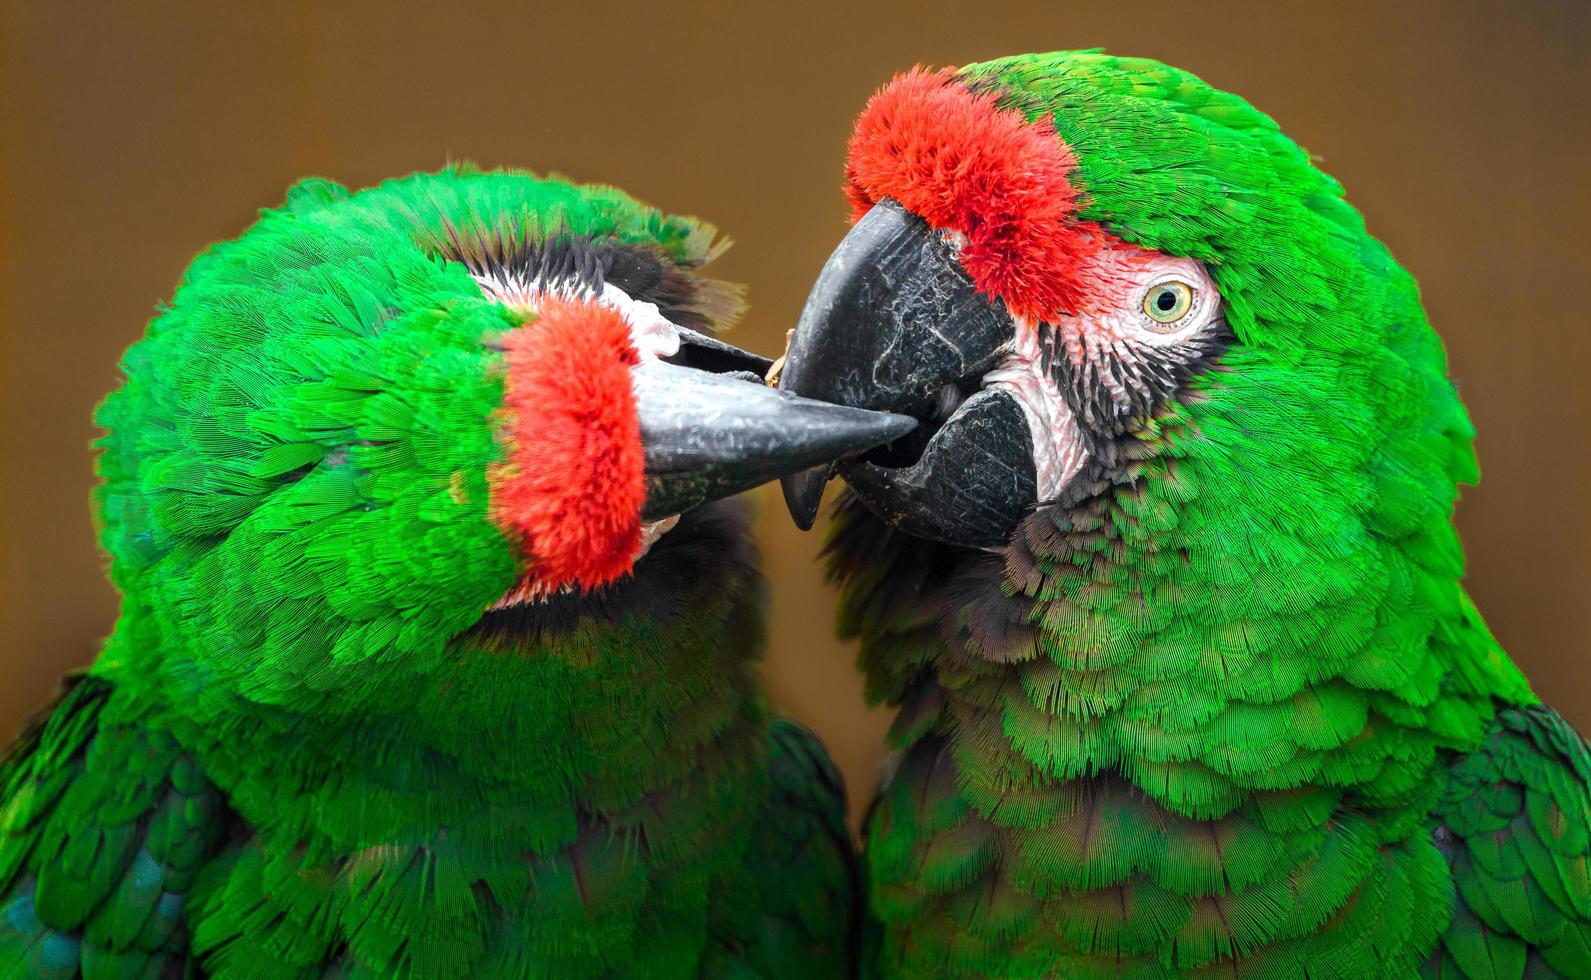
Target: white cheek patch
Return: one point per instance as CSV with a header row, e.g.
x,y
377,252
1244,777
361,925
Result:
x,y
1058,451
1118,345
653,334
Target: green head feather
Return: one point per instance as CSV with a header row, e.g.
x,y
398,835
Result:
x,y
295,471
1290,520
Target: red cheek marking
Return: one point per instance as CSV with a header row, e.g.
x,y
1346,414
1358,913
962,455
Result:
x,y
963,164
571,489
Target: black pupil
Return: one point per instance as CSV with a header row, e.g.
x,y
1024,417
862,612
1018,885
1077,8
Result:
x,y
1166,300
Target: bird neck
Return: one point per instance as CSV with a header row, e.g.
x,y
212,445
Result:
x,y
540,716
1201,680
1135,745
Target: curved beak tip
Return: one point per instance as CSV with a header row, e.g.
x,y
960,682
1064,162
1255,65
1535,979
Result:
x,y
803,493
892,319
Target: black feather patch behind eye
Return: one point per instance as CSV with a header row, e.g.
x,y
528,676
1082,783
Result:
x,y
517,252
1112,395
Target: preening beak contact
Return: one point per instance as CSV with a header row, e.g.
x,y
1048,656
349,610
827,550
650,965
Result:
x,y
707,436
893,323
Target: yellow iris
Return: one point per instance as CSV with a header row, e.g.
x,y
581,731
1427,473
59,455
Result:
x,y
1168,302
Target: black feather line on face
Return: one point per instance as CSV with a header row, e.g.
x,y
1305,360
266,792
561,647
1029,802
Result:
x,y
1113,397
516,252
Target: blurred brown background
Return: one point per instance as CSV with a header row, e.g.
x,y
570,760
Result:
x,y
134,137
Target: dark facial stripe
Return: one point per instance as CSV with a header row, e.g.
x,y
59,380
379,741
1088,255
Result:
x,y
1113,394
510,251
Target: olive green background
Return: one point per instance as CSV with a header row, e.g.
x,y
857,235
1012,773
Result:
x,y
135,134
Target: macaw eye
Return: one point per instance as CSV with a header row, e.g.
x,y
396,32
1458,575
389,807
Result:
x,y
1167,302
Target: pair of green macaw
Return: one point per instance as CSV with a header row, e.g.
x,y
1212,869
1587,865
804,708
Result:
x,y
437,649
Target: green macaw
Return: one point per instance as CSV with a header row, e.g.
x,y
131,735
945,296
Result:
x,y
436,653
1165,587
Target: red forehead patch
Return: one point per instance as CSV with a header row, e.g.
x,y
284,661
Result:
x,y
572,488
963,164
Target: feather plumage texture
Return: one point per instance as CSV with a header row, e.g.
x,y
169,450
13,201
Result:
x,y
1226,708
800,869
305,751
104,828
1514,828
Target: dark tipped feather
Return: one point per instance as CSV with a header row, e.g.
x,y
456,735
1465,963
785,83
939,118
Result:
x,y
520,253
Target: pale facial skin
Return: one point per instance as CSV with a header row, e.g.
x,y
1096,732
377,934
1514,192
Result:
x,y
1152,307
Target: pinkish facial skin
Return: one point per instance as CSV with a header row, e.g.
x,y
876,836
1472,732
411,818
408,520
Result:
x,y
1120,330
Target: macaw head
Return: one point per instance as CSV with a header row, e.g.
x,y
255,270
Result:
x,y
376,416
1098,279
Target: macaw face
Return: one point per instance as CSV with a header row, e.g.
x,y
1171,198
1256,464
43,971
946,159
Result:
x,y
374,417
1068,268
1012,411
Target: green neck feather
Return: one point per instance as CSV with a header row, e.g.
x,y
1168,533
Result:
x,y
580,705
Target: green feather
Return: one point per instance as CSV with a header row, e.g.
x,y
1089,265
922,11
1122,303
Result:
x,y
1229,711
304,751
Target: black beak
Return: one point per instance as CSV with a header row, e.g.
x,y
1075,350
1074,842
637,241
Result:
x,y
894,323
697,350
708,435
